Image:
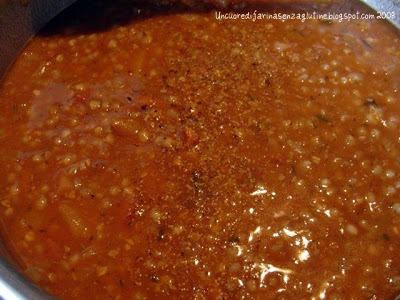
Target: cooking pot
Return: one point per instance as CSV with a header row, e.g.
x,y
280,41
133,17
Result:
x,y
19,21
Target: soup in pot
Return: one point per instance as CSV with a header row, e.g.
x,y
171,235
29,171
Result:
x,y
152,151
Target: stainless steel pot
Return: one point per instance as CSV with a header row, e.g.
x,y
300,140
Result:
x,y
19,21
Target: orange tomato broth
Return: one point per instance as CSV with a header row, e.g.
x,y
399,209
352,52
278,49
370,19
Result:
x,y
151,151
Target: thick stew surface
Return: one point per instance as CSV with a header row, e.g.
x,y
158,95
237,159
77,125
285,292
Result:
x,y
148,151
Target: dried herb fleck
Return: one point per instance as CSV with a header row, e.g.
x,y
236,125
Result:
x,y
322,118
